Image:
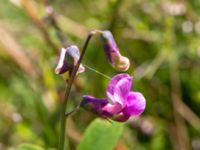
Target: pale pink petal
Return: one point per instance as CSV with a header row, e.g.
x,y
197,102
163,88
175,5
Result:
x,y
62,65
81,69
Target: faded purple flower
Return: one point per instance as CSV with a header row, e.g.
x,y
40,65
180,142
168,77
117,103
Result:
x,y
68,59
118,61
123,102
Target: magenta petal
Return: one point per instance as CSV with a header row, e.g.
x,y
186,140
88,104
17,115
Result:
x,y
113,82
135,104
122,90
112,109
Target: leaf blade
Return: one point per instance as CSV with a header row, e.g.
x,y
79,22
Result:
x,y
101,135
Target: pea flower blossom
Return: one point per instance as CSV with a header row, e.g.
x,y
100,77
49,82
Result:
x,y
68,59
118,61
123,102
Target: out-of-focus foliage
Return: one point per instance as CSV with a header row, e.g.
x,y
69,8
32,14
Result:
x,y
28,147
161,39
101,135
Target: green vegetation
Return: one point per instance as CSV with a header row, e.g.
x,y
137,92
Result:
x,y
160,37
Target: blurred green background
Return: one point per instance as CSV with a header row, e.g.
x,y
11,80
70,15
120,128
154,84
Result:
x,y
161,39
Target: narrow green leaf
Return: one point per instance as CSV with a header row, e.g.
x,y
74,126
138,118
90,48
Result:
x,y
101,135
29,147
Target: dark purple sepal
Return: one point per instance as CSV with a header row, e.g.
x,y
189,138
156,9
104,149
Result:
x,y
93,104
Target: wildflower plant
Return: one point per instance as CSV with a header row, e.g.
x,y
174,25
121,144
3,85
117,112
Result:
x,y
120,102
124,103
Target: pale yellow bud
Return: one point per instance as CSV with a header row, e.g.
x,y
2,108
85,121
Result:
x,y
121,63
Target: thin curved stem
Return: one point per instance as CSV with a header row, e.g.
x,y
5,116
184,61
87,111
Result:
x,y
67,92
72,111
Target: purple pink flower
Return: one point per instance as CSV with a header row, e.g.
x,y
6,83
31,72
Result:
x,y
118,61
68,59
120,104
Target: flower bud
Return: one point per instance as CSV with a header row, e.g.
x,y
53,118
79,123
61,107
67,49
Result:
x,y
118,61
68,59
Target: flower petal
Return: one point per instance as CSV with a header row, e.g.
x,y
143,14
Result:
x,y
118,88
135,104
111,109
122,90
113,82
62,63
81,69
73,51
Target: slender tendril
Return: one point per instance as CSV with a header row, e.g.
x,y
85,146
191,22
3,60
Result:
x,y
67,92
96,71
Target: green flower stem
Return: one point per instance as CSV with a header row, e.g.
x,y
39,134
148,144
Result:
x,y
67,92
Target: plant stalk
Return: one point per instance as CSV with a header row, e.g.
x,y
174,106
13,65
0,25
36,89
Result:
x,y
67,92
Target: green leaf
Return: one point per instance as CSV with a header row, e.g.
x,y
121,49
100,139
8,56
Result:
x,y
29,147
101,135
